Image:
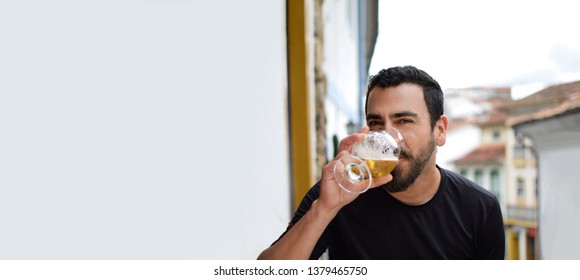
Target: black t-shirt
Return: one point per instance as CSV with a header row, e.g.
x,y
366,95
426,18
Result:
x,y
462,221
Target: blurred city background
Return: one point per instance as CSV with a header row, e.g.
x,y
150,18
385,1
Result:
x,y
186,129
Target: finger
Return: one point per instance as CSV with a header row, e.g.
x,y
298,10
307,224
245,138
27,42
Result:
x,y
347,143
329,167
365,129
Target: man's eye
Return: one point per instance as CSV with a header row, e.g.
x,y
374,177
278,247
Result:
x,y
403,121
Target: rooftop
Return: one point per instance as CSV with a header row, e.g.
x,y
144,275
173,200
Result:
x,y
484,154
551,94
494,118
562,98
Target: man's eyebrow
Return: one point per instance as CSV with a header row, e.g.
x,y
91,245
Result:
x,y
371,116
405,114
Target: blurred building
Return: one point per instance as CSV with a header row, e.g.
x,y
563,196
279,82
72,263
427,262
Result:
x,y
526,154
548,124
466,108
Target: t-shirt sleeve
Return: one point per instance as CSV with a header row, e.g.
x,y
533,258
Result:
x,y
491,242
304,206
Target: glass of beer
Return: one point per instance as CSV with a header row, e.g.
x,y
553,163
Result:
x,y
375,156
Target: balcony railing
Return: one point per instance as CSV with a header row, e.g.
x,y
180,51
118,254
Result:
x,y
522,213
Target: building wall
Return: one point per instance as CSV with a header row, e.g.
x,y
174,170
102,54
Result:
x,y
143,130
341,67
559,208
494,134
558,147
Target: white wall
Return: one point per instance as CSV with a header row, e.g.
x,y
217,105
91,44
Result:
x,y
559,221
142,129
558,148
488,134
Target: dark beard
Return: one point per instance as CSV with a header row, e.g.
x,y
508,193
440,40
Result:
x,y
401,180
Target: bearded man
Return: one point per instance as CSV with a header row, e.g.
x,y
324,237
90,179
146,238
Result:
x,y
419,211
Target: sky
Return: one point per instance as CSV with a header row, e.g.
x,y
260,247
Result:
x,y
526,45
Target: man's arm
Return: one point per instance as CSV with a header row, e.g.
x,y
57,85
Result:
x,y
301,238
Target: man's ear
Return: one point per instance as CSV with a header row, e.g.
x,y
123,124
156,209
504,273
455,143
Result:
x,y
440,130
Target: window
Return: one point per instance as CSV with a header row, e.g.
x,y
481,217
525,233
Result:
x,y
496,135
521,188
479,177
463,172
495,183
519,153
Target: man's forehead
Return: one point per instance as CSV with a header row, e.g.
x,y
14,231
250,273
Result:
x,y
406,97
402,91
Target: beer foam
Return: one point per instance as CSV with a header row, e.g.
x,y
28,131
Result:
x,y
377,146
383,157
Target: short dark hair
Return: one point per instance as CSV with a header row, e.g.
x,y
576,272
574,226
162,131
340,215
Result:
x,y
395,76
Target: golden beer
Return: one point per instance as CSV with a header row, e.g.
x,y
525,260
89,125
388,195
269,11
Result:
x,y
381,167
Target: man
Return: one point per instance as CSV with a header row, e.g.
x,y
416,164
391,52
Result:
x,y
420,211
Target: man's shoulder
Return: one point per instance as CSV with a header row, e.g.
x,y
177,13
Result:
x,y
456,183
